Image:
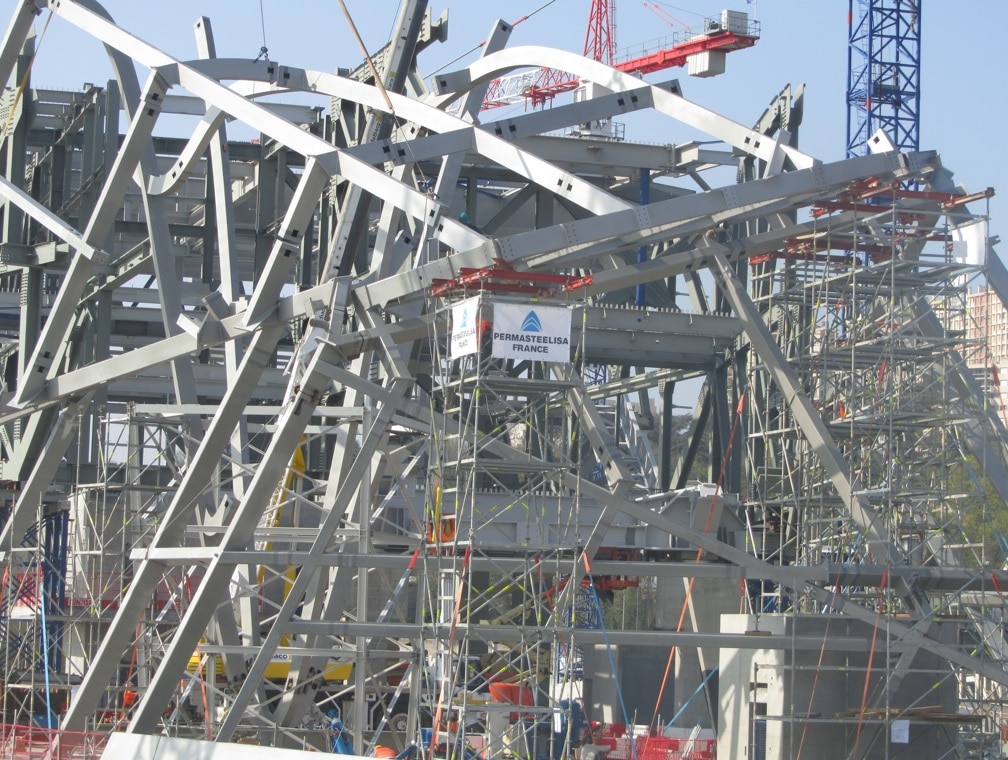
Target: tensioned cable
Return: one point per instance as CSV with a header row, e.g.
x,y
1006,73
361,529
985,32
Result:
x,y
367,56
476,47
264,50
24,80
378,80
262,21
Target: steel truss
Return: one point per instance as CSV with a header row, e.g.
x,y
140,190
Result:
x,y
232,374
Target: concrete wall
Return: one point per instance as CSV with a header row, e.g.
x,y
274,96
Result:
x,y
774,701
639,671
712,597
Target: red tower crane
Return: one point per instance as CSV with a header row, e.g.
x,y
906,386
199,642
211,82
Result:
x,y
732,31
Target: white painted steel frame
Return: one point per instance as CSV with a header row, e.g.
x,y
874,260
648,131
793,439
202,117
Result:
x,y
49,397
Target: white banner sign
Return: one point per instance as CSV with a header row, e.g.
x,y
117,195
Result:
x,y
539,333
465,323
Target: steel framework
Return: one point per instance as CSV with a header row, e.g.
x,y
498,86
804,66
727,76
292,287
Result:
x,y
232,383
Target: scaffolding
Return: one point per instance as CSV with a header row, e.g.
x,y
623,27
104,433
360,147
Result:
x,y
878,332
862,341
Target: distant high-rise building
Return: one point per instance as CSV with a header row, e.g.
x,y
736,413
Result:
x,y
986,338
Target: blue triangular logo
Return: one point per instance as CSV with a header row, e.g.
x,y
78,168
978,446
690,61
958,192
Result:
x,y
532,323
465,319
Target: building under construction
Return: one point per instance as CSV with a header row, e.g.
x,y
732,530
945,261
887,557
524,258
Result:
x,y
403,428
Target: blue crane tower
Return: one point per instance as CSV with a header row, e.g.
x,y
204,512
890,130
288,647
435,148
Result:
x,y
883,73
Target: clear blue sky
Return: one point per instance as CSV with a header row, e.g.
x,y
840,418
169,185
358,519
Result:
x,y
963,71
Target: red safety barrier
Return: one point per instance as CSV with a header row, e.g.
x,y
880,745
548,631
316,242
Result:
x,y
667,748
655,747
30,742
652,747
620,749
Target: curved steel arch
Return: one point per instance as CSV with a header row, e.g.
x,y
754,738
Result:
x,y
671,104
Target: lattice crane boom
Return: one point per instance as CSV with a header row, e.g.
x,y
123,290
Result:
x,y
600,40
883,73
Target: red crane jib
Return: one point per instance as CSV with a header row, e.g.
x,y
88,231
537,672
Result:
x,y
676,55
552,82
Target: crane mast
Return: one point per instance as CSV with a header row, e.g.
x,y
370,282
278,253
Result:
x,y
883,73
600,39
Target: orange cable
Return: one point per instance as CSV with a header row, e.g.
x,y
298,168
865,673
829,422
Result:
x,y
699,554
815,683
864,694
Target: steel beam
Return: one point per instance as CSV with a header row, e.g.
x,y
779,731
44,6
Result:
x,y
147,575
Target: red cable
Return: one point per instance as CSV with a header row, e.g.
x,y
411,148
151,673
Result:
x,y
871,658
